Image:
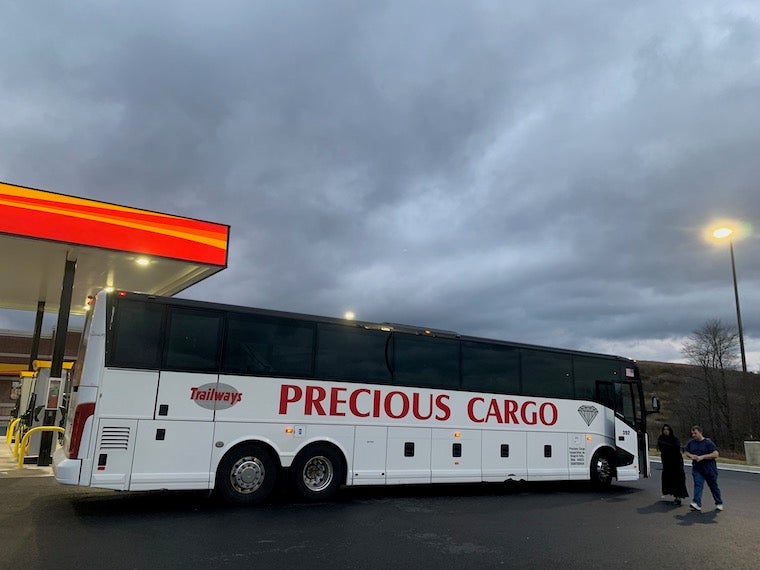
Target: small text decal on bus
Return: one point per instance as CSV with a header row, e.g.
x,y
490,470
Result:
x,y
215,396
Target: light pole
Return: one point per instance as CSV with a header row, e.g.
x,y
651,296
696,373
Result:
x,y
722,233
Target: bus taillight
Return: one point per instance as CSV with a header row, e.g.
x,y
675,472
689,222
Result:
x,y
81,414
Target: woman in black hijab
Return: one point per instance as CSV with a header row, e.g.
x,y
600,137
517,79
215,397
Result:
x,y
673,477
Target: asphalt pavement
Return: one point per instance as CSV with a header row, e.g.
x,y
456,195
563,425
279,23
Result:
x,y
531,525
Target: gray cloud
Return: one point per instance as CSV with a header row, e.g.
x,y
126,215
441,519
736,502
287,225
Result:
x,y
540,173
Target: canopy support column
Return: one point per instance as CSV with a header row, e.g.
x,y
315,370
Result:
x,y
37,335
56,366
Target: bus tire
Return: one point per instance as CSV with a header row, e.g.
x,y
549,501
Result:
x,y
246,475
602,469
318,472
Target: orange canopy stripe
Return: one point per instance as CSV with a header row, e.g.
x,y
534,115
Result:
x,y
45,215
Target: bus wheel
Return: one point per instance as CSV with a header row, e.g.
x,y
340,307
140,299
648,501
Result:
x,y
601,469
246,475
318,472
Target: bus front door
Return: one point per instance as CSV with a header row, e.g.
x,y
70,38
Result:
x,y
619,397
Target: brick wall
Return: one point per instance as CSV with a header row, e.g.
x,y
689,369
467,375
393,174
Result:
x,y
15,346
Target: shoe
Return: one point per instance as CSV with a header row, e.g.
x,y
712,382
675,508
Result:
x,y
719,507
664,498
677,502
695,507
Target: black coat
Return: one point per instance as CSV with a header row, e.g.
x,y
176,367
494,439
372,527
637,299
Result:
x,y
673,477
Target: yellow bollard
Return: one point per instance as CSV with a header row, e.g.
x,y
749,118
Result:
x,y
18,438
11,428
25,441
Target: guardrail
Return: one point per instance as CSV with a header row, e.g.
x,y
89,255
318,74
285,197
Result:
x,y
25,441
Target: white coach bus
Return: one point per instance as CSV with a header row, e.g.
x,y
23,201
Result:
x,y
178,394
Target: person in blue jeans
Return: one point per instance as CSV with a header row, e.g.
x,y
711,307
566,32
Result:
x,y
703,453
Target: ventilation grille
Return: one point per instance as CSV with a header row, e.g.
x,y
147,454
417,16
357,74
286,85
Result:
x,y
114,438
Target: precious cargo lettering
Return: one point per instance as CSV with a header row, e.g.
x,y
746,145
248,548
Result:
x,y
507,411
362,403
314,400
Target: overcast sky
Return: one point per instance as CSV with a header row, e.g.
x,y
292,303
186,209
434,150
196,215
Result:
x,y
540,171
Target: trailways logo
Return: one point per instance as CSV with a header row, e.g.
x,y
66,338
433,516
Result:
x,y
215,396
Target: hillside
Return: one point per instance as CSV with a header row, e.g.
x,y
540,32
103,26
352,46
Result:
x,y
726,406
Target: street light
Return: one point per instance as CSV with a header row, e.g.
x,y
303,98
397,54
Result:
x,y
722,233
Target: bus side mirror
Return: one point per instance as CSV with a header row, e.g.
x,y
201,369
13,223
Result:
x,y
655,405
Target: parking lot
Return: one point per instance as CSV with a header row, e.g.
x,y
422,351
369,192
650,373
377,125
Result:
x,y
465,526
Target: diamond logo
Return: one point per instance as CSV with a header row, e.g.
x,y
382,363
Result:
x,y
588,413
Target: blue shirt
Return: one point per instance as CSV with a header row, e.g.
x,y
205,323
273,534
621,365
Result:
x,y
704,447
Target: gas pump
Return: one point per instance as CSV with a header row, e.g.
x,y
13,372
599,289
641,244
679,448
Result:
x,y
45,398
26,397
51,417
15,398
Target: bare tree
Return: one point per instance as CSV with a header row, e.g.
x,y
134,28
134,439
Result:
x,y
714,348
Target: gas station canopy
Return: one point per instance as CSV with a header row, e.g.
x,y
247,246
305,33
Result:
x,y
113,246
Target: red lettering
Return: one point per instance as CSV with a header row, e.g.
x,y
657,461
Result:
x,y
335,401
493,412
441,402
510,412
288,395
352,403
389,405
529,418
416,407
542,413
471,409
376,404
314,397
364,403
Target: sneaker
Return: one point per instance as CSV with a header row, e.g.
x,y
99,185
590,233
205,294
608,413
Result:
x,y
695,507
719,507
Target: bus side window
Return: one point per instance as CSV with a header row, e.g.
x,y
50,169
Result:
x,y
352,353
587,371
257,344
605,394
546,374
135,336
426,362
628,402
490,368
193,340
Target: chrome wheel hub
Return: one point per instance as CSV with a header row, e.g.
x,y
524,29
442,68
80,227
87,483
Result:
x,y
247,474
318,473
